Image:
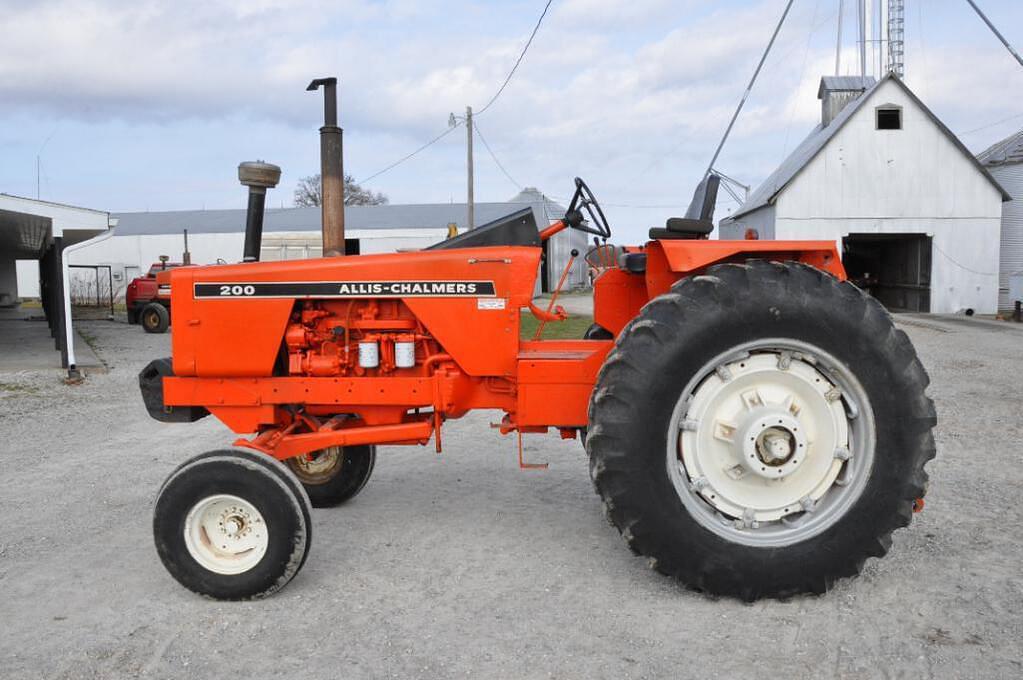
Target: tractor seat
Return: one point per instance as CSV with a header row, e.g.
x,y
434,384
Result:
x,y
699,219
682,228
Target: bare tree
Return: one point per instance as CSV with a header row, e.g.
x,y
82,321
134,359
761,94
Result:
x,y
309,193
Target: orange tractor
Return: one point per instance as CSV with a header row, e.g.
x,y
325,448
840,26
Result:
x,y
755,424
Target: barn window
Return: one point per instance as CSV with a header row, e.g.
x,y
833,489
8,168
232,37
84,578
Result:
x,y
889,118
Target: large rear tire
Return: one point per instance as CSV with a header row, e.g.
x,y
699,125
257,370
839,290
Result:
x,y
760,430
334,475
232,525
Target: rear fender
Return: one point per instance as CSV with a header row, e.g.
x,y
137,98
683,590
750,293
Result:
x,y
670,260
619,294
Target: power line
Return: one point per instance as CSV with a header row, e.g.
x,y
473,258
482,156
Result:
x,y
606,204
802,73
492,155
960,264
991,125
661,155
488,105
519,60
401,160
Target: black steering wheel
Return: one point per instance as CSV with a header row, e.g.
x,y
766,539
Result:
x,y
582,200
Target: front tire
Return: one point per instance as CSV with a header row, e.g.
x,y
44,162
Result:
x,y
232,525
760,430
155,318
334,475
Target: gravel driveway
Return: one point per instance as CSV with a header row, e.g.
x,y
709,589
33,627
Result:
x,y
460,565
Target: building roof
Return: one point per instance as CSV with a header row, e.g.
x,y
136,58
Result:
x,y
357,217
768,191
28,224
847,83
1006,152
55,204
534,196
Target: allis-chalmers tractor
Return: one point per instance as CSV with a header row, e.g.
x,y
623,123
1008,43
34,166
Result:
x,y
756,425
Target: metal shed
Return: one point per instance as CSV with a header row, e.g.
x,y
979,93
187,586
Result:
x,y
290,233
1004,161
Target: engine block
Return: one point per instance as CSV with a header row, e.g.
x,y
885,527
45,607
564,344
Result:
x,y
362,337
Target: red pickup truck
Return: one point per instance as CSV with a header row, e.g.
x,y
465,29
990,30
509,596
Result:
x,y
148,303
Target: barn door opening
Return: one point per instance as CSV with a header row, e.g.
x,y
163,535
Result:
x,y
894,268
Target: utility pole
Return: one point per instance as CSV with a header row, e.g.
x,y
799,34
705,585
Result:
x,y
468,132
869,36
862,10
39,161
838,44
186,257
452,122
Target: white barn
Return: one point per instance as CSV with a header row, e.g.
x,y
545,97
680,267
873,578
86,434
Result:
x,y
1004,161
914,213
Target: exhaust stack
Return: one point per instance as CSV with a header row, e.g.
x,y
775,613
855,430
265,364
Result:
x,y
332,202
258,177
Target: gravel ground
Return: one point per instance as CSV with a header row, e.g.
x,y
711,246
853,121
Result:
x,y
462,565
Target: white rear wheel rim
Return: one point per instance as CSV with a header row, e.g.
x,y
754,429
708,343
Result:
x,y
771,443
226,534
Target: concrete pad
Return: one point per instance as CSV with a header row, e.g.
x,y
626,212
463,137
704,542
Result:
x,y
461,565
951,322
26,345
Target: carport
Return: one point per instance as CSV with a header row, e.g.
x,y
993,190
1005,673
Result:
x,y
47,232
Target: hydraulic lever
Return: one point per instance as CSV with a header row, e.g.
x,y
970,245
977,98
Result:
x,y
554,297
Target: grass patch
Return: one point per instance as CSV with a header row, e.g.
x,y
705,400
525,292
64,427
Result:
x,y
571,328
15,388
89,338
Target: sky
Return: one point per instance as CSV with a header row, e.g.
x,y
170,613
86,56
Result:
x,y
150,105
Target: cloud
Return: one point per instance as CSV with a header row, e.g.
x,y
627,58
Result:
x,y
632,95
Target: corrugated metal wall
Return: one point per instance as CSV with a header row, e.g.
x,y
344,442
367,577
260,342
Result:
x,y
1011,259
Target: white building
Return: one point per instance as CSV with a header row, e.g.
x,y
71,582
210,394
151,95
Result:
x,y
914,213
1004,161
291,233
37,240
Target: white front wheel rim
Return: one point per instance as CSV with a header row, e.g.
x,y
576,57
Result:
x,y
771,443
226,534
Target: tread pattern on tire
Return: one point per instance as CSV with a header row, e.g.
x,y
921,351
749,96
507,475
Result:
x,y
627,413
252,461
